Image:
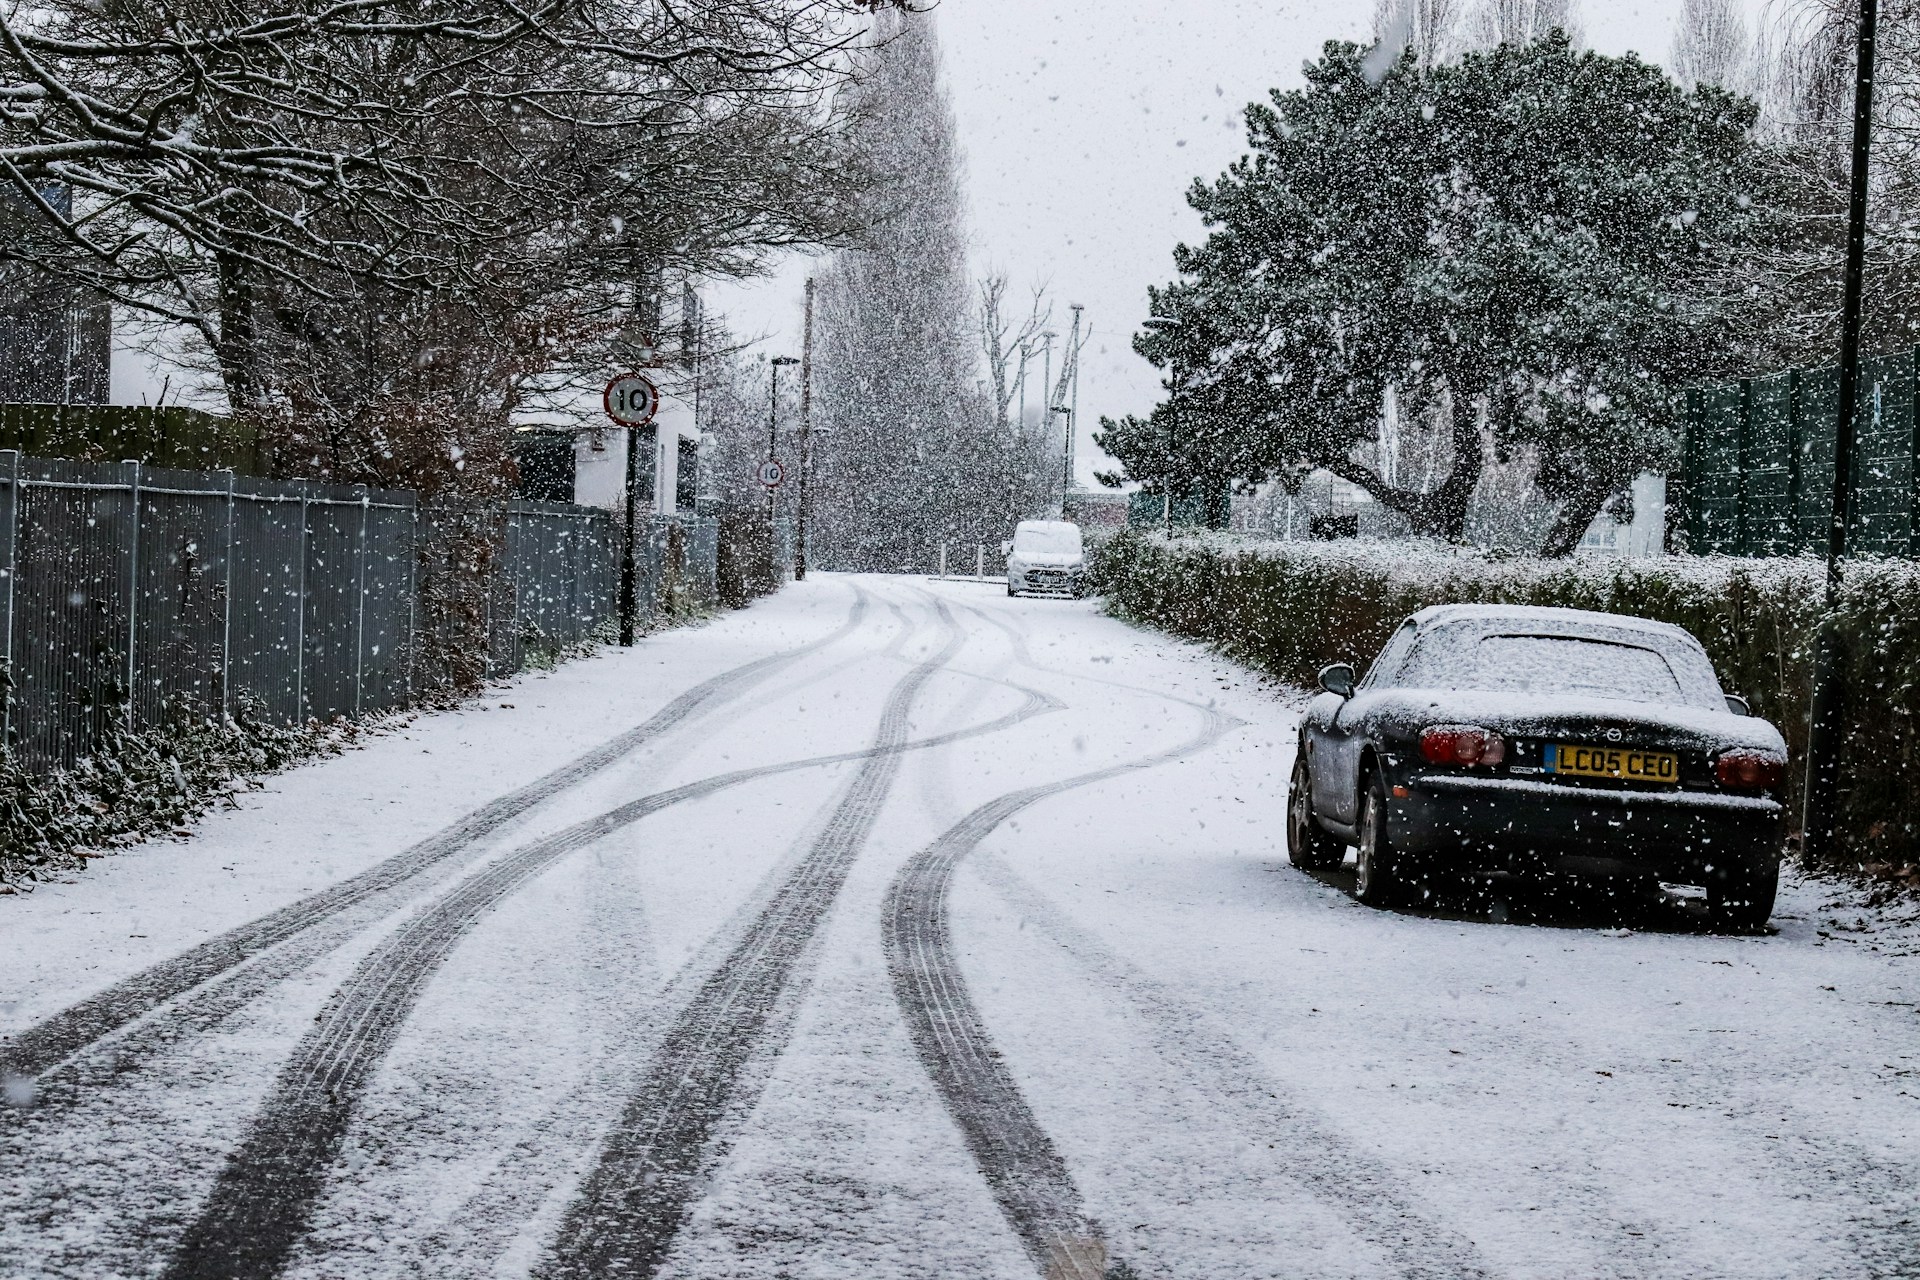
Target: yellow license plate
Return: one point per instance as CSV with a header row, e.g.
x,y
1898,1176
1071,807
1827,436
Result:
x,y
1612,762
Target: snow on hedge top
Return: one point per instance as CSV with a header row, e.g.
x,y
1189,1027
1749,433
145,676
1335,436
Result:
x,y
1425,564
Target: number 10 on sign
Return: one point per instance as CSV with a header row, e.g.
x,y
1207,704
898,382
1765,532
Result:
x,y
631,400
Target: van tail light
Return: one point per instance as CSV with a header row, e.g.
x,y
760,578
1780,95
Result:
x,y
1750,770
1462,744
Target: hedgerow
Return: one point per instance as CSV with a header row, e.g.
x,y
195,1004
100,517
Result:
x,y
1290,608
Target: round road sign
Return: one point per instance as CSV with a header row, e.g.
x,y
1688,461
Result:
x,y
772,473
631,400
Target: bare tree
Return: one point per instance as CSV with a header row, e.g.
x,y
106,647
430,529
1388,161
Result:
x,y
1428,27
367,206
1711,45
1006,344
1496,22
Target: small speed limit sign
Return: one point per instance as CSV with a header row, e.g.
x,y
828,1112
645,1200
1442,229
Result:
x,y
772,473
631,400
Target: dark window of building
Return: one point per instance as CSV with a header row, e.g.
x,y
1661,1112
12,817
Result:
x,y
686,479
546,465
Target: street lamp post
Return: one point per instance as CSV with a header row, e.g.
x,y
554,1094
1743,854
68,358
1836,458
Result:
x,y
1824,728
1066,413
806,438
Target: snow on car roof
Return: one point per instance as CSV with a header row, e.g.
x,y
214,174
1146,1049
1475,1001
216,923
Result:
x,y
1047,526
1544,615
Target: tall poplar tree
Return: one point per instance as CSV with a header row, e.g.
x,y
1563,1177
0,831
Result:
x,y
910,456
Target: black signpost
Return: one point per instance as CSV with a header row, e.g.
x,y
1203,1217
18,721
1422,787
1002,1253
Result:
x,y
631,400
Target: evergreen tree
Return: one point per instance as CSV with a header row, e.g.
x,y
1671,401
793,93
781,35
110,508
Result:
x,y
1528,246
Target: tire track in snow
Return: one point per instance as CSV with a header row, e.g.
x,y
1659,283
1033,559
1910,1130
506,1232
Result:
x,y
1024,1170
1319,1158
652,1163
1316,1156
37,1049
264,1197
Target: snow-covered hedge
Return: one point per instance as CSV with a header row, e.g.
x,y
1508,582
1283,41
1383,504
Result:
x,y
1290,608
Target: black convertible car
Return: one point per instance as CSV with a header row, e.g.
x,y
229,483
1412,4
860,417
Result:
x,y
1492,739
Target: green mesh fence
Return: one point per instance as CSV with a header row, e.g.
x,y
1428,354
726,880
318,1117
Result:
x,y
1758,468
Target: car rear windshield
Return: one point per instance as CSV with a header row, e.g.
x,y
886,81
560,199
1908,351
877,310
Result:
x,y
1047,542
1556,664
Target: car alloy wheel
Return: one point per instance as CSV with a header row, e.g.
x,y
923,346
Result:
x,y
1376,881
1310,845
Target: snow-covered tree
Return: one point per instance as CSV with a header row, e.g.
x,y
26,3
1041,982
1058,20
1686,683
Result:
x,y
1497,22
1527,246
915,452
1428,27
378,214
1711,45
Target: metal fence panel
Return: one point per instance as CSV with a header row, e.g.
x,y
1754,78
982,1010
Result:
x,y
179,641
1758,462
129,594
1884,474
265,589
70,617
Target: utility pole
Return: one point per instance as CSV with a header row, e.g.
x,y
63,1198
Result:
x,y
1826,726
1072,360
1046,386
773,432
646,308
806,434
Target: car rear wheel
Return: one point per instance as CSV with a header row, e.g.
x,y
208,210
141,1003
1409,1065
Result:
x,y
1310,845
1376,879
1742,898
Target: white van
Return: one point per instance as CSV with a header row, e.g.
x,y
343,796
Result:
x,y
1045,556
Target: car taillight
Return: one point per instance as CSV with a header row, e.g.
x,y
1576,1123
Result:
x,y
1462,744
1750,770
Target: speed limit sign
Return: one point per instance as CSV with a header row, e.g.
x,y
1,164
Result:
x,y
631,400
772,473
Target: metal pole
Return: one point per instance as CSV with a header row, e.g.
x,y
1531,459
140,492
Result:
x,y
806,435
226,611
133,587
627,586
413,590
1073,412
12,467
980,561
360,601
1826,727
773,433
300,616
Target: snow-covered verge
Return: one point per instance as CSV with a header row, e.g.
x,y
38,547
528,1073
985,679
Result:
x,y
149,782
1290,608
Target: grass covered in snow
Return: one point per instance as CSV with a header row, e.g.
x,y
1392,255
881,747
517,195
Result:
x,y
1290,608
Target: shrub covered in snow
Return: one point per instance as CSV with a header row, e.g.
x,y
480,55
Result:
x,y
141,782
1292,607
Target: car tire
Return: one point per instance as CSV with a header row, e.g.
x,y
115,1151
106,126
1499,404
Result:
x,y
1010,591
1376,880
1311,846
1742,898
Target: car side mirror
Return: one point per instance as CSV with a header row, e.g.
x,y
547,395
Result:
x,y
1738,705
1337,679
1006,548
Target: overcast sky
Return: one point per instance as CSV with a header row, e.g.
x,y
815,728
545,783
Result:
x,y
1084,122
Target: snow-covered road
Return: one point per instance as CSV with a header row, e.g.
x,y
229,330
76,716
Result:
x,y
894,928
